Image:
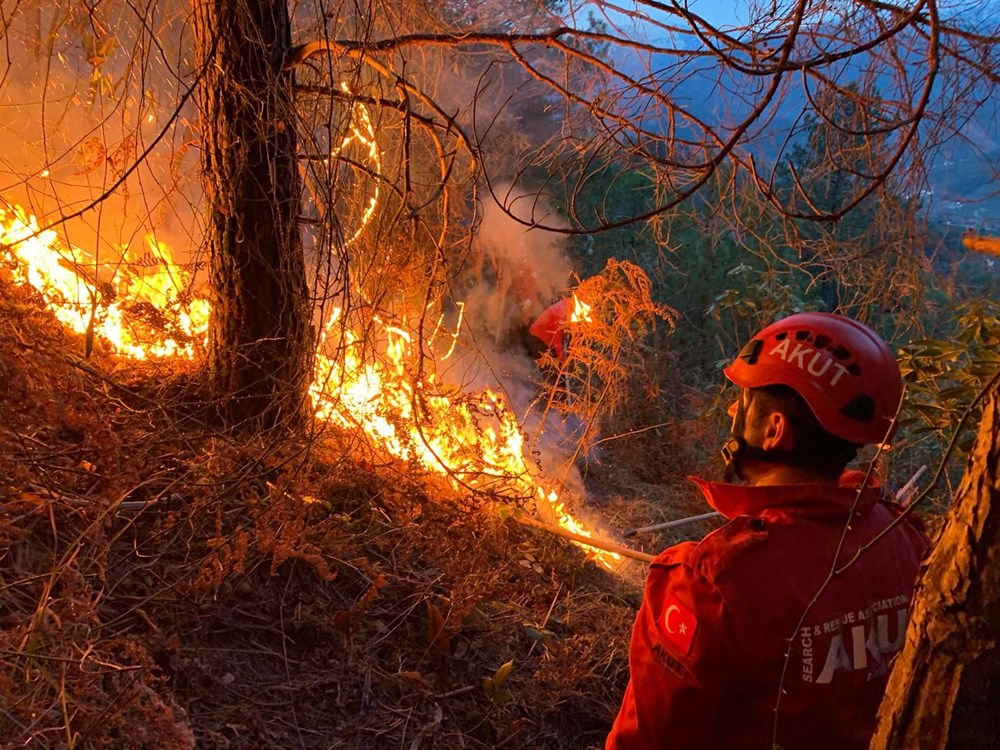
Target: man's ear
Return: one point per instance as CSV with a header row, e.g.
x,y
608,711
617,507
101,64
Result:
x,y
779,433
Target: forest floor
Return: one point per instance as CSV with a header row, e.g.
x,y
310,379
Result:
x,y
165,584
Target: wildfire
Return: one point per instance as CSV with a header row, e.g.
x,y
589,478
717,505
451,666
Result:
x,y
141,309
474,440
144,307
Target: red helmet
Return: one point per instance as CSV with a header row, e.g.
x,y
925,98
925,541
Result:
x,y
842,369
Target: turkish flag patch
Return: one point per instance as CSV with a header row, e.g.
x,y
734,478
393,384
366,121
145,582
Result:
x,y
678,624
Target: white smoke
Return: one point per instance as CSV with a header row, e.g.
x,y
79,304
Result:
x,y
520,269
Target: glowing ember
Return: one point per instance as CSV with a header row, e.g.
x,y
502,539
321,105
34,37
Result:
x,y
362,132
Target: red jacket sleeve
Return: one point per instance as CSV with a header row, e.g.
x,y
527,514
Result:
x,y
677,661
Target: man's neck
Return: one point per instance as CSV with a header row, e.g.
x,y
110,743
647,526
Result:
x,y
767,474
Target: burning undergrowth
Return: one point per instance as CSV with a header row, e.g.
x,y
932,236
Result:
x,y
373,376
166,585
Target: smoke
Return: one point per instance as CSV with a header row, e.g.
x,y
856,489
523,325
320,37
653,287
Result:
x,y
518,269
515,273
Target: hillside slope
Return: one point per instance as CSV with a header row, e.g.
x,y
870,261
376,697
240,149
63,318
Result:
x,y
169,586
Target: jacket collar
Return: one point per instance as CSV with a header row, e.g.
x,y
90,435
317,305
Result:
x,y
814,501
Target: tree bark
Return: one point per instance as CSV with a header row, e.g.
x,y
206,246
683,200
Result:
x,y
945,686
260,333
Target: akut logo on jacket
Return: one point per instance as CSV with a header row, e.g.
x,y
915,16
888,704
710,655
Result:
x,y
813,361
854,641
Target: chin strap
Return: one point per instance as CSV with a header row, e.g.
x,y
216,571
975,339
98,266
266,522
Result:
x,y
736,449
736,446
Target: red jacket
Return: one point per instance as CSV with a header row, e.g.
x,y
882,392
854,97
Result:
x,y
707,658
550,327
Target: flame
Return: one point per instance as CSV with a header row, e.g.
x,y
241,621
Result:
x,y
143,307
581,311
475,440
141,313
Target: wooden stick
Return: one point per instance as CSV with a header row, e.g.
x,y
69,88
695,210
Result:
x,y
903,496
589,541
670,524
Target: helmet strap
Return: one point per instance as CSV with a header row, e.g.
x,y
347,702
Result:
x,y
736,446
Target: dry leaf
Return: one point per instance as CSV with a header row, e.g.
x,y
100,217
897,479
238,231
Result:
x,y
437,635
418,679
91,156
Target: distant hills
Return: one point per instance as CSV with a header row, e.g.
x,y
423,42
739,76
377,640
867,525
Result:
x,y
963,176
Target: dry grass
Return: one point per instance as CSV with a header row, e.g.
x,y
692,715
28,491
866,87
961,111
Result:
x,y
165,585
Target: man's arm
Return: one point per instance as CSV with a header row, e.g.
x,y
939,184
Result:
x,y
679,668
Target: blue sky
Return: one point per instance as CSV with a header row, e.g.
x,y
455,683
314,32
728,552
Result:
x,y
716,12
720,12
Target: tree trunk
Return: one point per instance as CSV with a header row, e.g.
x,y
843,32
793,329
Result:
x,y
260,335
945,686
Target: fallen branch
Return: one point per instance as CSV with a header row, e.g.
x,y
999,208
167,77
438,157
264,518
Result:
x,y
586,540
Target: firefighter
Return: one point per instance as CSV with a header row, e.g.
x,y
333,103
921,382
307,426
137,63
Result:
x,y
778,630
549,328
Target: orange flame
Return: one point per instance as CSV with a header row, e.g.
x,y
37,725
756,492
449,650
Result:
x,y
144,308
476,441
581,311
140,314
